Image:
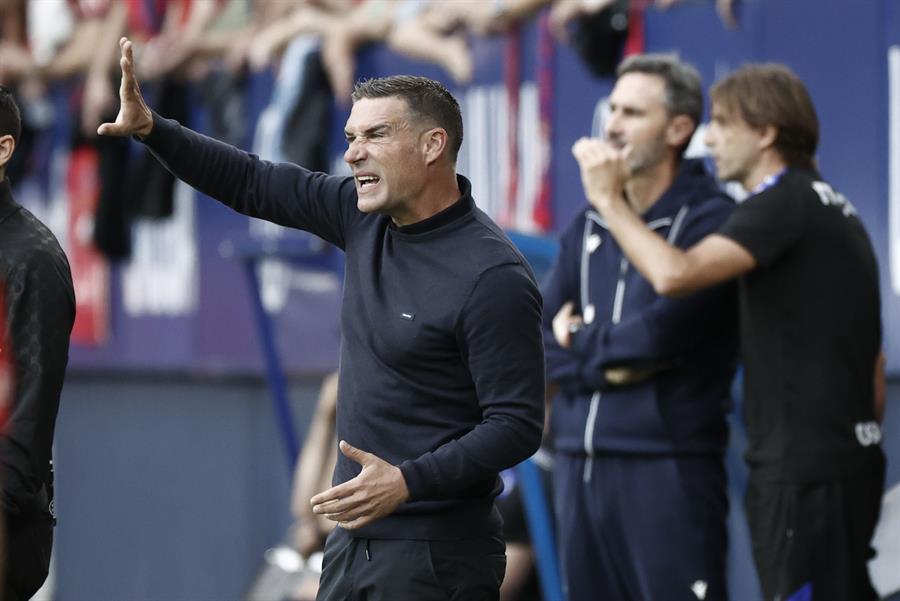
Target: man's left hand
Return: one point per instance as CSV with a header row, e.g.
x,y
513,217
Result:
x,y
375,493
604,170
565,324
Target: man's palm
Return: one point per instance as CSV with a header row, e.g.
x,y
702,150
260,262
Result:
x,y
134,116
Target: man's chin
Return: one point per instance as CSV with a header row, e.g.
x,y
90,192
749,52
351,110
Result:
x,y
724,175
368,205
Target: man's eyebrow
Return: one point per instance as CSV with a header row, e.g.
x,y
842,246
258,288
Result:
x,y
375,129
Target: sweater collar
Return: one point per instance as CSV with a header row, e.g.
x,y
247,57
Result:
x,y
8,206
454,212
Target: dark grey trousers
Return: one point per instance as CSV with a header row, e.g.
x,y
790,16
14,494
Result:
x,y
359,569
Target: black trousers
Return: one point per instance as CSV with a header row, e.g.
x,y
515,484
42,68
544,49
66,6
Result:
x,y
813,540
359,569
28,542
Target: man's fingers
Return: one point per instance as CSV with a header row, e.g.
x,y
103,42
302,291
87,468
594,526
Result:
x,y
351,452
129,87
357,517
580,148
592,151
129,82
335,493
350,513
336,506
354,524
345,510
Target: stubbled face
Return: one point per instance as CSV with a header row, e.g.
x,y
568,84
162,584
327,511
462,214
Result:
x,y
638,120
386,156
734,146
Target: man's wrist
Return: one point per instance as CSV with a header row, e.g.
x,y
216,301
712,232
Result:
x,y
606,201
145,130
402,487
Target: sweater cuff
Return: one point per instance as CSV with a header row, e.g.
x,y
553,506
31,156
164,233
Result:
x,y
419,475
162,137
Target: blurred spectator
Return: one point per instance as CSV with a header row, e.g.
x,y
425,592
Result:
x,y
298,18
596,29
294,126
313,472
15,60
173,38
420,32
312,476
725,9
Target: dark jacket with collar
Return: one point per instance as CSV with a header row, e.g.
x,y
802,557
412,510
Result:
x,y
691,341
36,286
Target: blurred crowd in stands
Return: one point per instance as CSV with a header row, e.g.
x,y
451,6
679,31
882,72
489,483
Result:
x,y
310,45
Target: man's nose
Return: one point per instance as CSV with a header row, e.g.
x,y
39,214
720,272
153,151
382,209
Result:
x,y
612,128
355,152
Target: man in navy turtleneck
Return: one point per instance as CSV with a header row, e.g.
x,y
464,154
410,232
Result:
x,y
441,372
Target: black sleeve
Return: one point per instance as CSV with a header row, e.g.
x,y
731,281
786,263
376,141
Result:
x,y
40,312
767,224
283,193
500,335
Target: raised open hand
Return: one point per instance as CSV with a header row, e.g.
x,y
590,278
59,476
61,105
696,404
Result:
x,y
134,118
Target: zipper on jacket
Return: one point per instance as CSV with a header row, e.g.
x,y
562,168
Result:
x,y
676,224
585,263
589,436
618,303
620,291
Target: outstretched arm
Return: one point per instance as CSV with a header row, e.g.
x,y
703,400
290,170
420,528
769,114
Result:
x,y
282,193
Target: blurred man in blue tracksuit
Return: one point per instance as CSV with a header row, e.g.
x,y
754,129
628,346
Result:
x,y
643,380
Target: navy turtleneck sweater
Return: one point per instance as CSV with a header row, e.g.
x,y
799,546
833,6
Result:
x,y
441,367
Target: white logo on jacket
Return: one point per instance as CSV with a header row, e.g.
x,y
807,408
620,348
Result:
x,y
868,433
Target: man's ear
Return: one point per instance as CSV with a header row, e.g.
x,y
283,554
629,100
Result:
x,y
435,144
7,146
679,131
767,136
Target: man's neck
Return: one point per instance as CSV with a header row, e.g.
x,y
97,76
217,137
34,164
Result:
x,y
646,188
769,164
441,192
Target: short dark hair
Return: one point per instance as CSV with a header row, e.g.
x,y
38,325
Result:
x,y
427,99
772,94
684,92
10,118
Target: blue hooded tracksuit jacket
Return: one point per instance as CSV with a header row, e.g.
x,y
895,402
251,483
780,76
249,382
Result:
x,y
692,341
